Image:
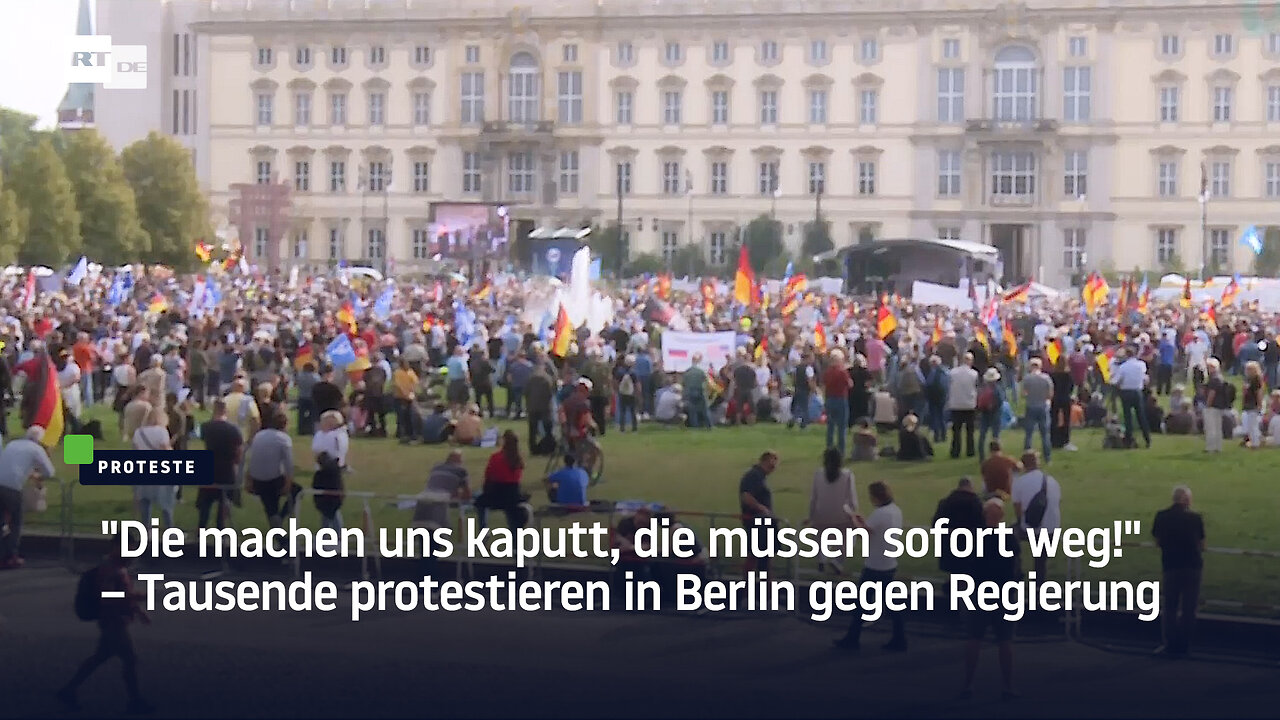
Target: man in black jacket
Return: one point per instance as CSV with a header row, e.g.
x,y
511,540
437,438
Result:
x,y
961,509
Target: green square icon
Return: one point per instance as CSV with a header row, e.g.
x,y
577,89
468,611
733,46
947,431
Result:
x,y
77,449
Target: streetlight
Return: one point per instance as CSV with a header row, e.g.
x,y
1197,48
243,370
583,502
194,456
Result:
x,y
688,191
386,222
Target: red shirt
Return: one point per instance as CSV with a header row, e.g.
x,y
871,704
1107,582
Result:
x,y
836,381
86,356
501,473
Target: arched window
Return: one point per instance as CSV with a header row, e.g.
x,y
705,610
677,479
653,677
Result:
x,y
523,90
1014,86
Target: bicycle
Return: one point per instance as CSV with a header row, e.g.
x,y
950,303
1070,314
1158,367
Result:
x,y
581,456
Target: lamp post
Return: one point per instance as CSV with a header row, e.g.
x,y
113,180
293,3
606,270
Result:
x,y
688,191
622,251
386,222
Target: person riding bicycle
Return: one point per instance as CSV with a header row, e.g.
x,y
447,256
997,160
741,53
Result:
x,y
577,425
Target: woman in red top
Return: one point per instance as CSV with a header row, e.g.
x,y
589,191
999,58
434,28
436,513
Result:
x,y
502,484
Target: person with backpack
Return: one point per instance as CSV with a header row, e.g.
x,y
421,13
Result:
x,y
113,615
1037,502
628,385
990,410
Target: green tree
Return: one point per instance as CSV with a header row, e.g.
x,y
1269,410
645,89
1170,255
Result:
x,y
40,183
817,238
1267,262
172,210
13,224
777,264
17,132
689,261
108,211
644,263
607,244
763,237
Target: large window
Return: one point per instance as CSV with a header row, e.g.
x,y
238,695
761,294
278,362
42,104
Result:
x,y
422,109
520,172
1013,174
1220,248
1273,103
421,176
948,173
720,107
570,97
670,244
569,172
379,176
1220,178
671,177
866,177
376,246
302,109
337,176
623,102
1167,178
719,177
951,95
263,172
302,175
338,108
470,172
1073,248
1169,103
768,107
817,177
472,110
622,177
266,101
1075,175
1222,103
671,107
1077,83
868,106
522,92
768,177
1015,83
420,244
335,242
817,107
1271,179
377,108
1166,245
261,239
717,244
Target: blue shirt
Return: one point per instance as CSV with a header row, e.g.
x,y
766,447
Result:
x,y
457,367
572,485
644,366
1167,351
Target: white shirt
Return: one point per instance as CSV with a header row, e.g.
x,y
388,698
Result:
x,y
963,391
882,518
668,405
1027,485
1131,374
334,442
1198,353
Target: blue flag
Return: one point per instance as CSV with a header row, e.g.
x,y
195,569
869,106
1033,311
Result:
x,y
594,272
1252,239
382,307
78,273
340,352
464,323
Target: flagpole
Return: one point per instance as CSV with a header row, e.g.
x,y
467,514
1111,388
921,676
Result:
x,y
1204,222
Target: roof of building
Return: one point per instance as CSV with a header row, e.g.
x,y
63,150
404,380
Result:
x,y
79,96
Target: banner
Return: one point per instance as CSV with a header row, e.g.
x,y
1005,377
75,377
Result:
x,y
678,349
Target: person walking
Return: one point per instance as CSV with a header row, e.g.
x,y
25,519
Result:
x,y
879,567
269,468
154,436
1179,532
990,410
1252,400
1037,389
1129,379
20,460
831,498
114,615
994,566
755,499
1037,503
1217,402
962,401
836,385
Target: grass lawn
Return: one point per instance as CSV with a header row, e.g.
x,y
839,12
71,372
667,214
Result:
x,y
699,470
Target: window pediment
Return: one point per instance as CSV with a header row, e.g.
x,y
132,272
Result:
x,y
1271,75
300,151
672,82
719,81
262,151
1168,150
670,151
768,81
1221,151
301,85
1169,77
420,151
624,82
818,80
376,84
264,85
867,151
769,151
422,84
718,151
337,85
1223,76
868,80
623,152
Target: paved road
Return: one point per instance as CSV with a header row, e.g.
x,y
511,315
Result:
x,y
566,665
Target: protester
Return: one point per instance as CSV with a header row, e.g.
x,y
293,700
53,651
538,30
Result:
x,y
269,469
996,563
879,566
832,498
1037,503
962,401
756,500
1179,532
20,460
330,447
501,490
226,447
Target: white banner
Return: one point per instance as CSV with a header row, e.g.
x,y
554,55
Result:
x,y
678,349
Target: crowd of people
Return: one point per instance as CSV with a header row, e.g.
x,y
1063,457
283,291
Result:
x,y
428,357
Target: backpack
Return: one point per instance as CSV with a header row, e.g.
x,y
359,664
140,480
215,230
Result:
x,y
1039,504
987,398
88,597
627,386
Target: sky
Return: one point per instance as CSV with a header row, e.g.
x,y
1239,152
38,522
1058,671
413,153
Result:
x,y
32,36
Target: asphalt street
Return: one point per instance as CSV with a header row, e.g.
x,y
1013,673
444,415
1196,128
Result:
x,y
560,664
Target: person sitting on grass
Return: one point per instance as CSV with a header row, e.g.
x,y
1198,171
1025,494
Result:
x,y
911,444
865,441
469,428
568,485
436,428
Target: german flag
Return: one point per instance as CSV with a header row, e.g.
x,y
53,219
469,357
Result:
x,y
833,308
1053,351
158,304
1010,340
937,331
664,287
763,348
203,252
347,316
305,355
1104,364
820,338
428,322
42,402
1185,300
886,321
1020,294
563,334
708,298
484,292
980,334
1230,292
